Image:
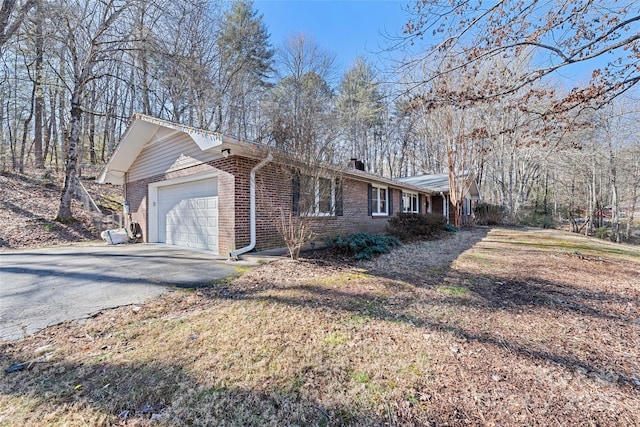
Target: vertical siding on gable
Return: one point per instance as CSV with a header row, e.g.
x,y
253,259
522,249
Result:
x,y
176,152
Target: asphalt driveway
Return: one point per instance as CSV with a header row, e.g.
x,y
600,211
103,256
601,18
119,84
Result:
x,y
43,287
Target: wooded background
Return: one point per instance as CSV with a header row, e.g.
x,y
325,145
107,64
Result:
x,y
472,93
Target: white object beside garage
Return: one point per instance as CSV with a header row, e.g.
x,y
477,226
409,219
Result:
x,y
187,214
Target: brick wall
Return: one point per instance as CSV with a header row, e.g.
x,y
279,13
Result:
x,y
273,198
274,191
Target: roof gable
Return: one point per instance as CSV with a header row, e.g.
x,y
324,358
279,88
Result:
x,y
143,131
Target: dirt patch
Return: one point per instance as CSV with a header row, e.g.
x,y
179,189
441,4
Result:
x,y
28,205
489,327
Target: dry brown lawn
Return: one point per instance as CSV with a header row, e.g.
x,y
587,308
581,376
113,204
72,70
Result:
x,y
504,327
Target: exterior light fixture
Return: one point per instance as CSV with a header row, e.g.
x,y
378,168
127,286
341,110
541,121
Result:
x,y
226,152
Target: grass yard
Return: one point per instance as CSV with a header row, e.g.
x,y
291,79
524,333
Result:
x,y
488,327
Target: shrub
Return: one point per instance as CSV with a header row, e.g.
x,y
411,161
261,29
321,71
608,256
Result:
x,y
408,227
363,245
450,228
603,233
488,214
48,177
533,218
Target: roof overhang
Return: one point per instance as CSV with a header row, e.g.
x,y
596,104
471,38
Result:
x,y
439,183
142,131
473,190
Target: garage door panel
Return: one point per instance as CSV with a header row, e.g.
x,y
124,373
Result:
x,y
188,215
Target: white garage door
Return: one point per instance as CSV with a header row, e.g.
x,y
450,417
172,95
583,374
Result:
x,y
188,214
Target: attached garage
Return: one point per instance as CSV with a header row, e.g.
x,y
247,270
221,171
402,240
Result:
x,y
185,213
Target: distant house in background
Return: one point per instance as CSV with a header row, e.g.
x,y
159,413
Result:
x,y
438,186
629,210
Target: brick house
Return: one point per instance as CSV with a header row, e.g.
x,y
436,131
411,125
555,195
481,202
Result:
x,y
200,189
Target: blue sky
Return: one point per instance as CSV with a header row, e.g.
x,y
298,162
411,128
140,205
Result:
x,y
353,28
347,27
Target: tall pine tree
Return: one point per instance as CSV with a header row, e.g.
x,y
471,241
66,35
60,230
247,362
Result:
x,y
246,63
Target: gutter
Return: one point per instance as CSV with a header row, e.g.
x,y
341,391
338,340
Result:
x,y
252,207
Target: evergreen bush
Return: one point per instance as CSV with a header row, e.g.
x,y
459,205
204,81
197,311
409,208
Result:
x,y
603,233
363,245
532,217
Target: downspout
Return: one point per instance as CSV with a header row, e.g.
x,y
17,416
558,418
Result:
x,y
445,206
252,207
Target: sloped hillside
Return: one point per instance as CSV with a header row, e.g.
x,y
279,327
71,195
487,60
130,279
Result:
x,y
29,203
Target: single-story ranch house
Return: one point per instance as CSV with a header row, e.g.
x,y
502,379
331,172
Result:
x,y
200,189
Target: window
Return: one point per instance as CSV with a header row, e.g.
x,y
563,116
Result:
x,y
379,202
324,196
410,203
316,196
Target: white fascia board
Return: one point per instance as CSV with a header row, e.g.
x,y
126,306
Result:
x,y
130,145
206,141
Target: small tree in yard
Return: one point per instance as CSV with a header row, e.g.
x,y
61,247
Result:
x,y
295,231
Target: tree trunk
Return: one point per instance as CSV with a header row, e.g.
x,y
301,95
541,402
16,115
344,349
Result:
x,y
62,130
634,197
615,220
2,165
594,200
52,130
39,90
25,131
68,190
457,214
93,158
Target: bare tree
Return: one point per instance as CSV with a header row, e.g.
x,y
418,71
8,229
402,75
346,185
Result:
x,y
360,109
302,118
632,172
301,112
555,34
92,38
38,99
12,14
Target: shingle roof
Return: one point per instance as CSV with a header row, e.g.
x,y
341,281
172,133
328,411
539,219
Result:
x,y
436,182
439,183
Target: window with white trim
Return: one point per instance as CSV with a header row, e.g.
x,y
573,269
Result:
x,y
410,203
317,196
379,201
